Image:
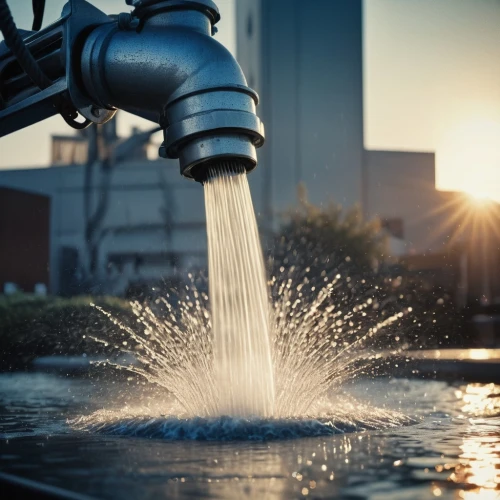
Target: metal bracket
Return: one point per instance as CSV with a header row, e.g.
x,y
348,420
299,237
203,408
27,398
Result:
x,y
81,18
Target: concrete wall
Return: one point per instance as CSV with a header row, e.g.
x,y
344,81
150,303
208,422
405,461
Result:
x,y
402,185
305,60
483,254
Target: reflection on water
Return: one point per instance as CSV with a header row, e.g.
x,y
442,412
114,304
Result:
x,y
453,453
480,399
478,464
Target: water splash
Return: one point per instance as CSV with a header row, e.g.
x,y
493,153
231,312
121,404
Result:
x,y
320,339
324,336
173,348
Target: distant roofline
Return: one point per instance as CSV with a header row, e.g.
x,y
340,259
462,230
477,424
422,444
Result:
x,y
399,151
74,138
57,166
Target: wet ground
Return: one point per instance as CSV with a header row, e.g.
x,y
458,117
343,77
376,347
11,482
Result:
x,y
452,452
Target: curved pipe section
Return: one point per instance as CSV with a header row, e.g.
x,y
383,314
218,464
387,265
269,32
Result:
x,y
173,72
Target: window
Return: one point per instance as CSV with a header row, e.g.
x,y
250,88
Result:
x,y
249,26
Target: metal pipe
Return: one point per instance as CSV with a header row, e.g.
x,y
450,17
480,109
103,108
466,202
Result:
x,y
169,69
160,62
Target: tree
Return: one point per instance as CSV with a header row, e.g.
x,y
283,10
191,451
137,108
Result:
x,y
328,238
105,151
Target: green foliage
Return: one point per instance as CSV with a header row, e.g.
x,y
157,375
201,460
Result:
x,y
32,326
329,237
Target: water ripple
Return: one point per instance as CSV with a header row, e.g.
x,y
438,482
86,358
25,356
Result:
x,y
172,428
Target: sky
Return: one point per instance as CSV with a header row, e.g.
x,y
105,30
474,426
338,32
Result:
x,y
431,83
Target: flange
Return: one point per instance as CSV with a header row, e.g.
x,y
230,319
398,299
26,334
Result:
x,y
147,8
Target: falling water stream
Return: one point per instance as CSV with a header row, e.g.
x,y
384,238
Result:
x,y
238,296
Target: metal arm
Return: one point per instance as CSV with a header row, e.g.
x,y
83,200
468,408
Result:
x,y
160,62
22,102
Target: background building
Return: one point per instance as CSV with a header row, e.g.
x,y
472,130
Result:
x,y
24,240
400,189
305,61
147,223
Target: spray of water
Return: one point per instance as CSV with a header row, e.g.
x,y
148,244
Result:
x,y
320,339
318,344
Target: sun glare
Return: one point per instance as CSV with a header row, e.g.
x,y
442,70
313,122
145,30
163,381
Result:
x,y
479,198
468,215
469,159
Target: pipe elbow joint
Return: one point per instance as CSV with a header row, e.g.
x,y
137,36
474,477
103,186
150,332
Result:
x,y
173,72
212,115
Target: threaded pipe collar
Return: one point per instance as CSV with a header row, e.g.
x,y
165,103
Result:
x,y
147,8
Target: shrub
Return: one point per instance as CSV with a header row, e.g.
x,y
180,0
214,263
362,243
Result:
x,y
32,326
328,238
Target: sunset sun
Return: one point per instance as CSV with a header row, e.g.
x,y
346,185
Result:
x,y
470,157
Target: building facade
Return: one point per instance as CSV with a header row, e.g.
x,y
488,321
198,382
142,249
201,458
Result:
x,y
305,60
153,227
400,190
